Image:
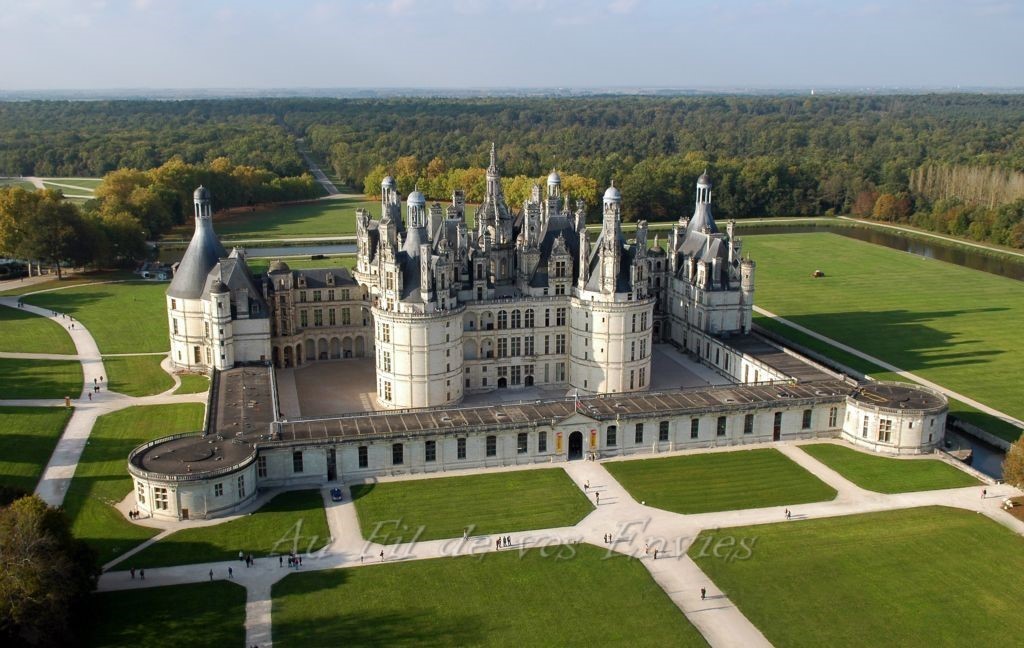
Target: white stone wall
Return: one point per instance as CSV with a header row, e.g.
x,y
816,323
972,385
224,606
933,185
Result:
x,y
608,353
909,431
189,315
196,499
425,356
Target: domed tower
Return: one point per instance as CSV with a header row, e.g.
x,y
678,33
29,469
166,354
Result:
x,y
189,341
554,184
612,319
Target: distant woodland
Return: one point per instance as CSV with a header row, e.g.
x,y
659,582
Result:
x,y
949,163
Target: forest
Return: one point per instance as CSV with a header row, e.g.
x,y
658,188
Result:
x,y
949,162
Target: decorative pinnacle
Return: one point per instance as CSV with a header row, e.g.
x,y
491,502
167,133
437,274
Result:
x,y
494,157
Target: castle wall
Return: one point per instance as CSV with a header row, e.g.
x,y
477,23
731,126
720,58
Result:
x,y
610,344
419,358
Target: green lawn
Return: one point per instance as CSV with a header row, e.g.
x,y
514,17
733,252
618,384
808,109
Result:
x,y
492,503
40,378
292,521
192,384
203,614
888,475
719,481
334,217
87,185
102,479
23,332
259,266
137,375
949,324
126,317
572,596
918,577
16,182
28,436
961,410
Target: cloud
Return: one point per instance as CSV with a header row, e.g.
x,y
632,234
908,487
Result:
x,y
622,6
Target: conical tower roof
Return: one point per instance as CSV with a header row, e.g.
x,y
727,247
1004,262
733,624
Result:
x,y
203,253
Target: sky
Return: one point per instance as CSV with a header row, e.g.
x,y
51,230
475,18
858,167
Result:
x,y
107,44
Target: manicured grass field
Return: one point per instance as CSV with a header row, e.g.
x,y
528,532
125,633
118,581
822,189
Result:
x,y
23,332
334,217
40,378
918,577
502,599
16,182
28,436
102,480
491,503
87,185
949,324
260,265
292,521
128,317
888,475
719,481
203,614
137,375
192,384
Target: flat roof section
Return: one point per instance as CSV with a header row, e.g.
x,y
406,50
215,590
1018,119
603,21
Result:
x,y
776,358
898,396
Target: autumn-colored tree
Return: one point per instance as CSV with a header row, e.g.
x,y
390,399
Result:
x,y
1013,464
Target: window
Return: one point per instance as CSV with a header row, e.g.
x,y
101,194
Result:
x,y
332,317
430,451
777,424
515,347
560,343
218,490
492,446
643,376
364,458
885,430
174,304
385,361
261,466
385,332
174,324
160,498
241,486
502,319
515,319
318,317
140,493
460,448
346,317
303,318
330,295
316,295
522,443
833,415
694,428
559,317
397,454
302,295
748,424
528,323
542,440
297,461
387,390
528,345
638,434
610,435
663,431
502,347
720,429
806,423
864,427
634,322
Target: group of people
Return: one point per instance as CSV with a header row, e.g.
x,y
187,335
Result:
x,y
133,515
142,573
294,560
503,541
247,559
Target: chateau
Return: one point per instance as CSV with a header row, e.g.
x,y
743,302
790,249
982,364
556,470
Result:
x,y
451,309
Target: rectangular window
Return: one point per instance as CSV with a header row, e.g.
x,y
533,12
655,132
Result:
x,y
261,466
218,490
502,348
528,345
663,431
806,423
833,415
174,322
542,440
316,295
385,332
638,434
430,451
241,486
643,376
332,317
864,428
303,318
387,390
522,443
560,343
720,429
514,347
460,448
777,424
346,317
330,295
385,361
397,454
160,498
547,345
297,461
885,430
318,317
694,428
492,446
174,304
748,424
560,317
364,456
611,435
140,493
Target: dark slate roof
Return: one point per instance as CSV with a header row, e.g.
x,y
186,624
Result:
x,y
317,277
233,273
556,224
202,255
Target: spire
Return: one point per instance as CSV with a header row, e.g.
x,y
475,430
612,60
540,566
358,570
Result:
x,y
493,168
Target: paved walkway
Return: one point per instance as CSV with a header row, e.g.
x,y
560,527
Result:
x,y
893,368
633,526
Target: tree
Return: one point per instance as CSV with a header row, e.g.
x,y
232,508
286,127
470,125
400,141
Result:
x,y
41,225
1013,464
46,575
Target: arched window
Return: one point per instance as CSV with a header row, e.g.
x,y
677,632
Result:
x,y
502,319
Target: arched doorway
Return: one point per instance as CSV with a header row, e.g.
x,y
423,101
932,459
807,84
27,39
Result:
x,y
275,357
502,383
288,362
322,346
528,381
360,346
335,349
298,354
575,446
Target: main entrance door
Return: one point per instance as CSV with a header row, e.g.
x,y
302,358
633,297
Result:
x,y
575,445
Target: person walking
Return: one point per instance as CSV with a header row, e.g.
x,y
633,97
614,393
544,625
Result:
x,y
280,561
382,555
597,496
984,493
497,543
703,593
586,486
211,575
132,570
231,573
142,574
655,553
241,555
